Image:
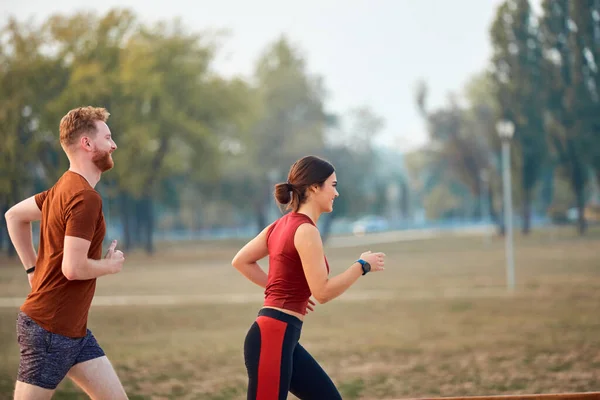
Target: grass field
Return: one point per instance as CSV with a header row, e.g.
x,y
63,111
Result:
x,y
437,322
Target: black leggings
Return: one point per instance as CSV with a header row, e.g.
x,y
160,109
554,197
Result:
x,y
278,364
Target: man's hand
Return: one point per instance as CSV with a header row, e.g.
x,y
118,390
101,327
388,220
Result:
x,y
30,278
115,256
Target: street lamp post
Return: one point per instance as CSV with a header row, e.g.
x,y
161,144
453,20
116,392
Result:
x,y
506,130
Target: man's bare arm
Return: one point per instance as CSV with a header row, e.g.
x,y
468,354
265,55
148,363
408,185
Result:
x,y
18,222
77,266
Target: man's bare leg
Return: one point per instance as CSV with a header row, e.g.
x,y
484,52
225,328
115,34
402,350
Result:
x,y
25,391
98,379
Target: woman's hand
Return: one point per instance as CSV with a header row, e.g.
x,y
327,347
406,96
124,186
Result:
x,y
377,260
311,305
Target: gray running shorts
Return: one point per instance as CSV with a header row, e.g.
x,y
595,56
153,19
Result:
x,y
47,357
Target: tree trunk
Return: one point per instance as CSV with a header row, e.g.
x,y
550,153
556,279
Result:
x,y
404,200
145,215
548,189
3,229
12,252
148,213
327,226
139,223
126,221
578,184
261,217
494,216
260,201
2,236
526,211
581,224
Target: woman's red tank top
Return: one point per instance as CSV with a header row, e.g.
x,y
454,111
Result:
x,y
287,287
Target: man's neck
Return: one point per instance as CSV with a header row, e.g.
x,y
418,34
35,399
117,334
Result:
x,y
90,172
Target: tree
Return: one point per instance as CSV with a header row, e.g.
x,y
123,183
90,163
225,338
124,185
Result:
x,y
290,124
155,81
88,50
351,150
482,114
28,79
517,71
565,96
459,147
166,82
586,44
441,202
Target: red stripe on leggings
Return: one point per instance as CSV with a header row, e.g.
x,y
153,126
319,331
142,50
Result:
x,y
272,332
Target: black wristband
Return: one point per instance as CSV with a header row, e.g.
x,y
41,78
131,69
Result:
x,y
30,270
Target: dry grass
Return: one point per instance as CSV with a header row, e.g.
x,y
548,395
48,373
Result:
x,y
437,322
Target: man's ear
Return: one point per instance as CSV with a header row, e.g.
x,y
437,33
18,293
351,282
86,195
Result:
x,y
85,142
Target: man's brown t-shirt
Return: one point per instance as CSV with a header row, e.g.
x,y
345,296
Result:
x,y
70,208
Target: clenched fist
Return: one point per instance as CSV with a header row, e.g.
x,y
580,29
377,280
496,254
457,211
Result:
x,y
115,257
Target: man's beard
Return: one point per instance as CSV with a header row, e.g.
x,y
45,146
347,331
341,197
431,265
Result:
x,y
103,160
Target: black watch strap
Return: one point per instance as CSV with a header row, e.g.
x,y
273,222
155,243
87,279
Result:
x,y
30,270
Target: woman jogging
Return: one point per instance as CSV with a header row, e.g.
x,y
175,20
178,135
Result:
x,y
275,361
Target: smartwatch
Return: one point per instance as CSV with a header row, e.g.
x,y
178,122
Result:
x,y
366,267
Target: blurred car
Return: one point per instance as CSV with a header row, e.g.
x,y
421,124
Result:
x,y
369,224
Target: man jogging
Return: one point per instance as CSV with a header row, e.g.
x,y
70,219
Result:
x,y
52,323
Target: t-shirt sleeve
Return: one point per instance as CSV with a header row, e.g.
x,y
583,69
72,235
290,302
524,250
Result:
x,y
82,214
40,198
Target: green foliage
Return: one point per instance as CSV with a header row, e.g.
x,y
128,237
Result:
x,y
155,82
571,93
460,148
518,64
288,123
544,77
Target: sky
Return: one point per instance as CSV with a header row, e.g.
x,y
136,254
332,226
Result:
x,y
368,52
